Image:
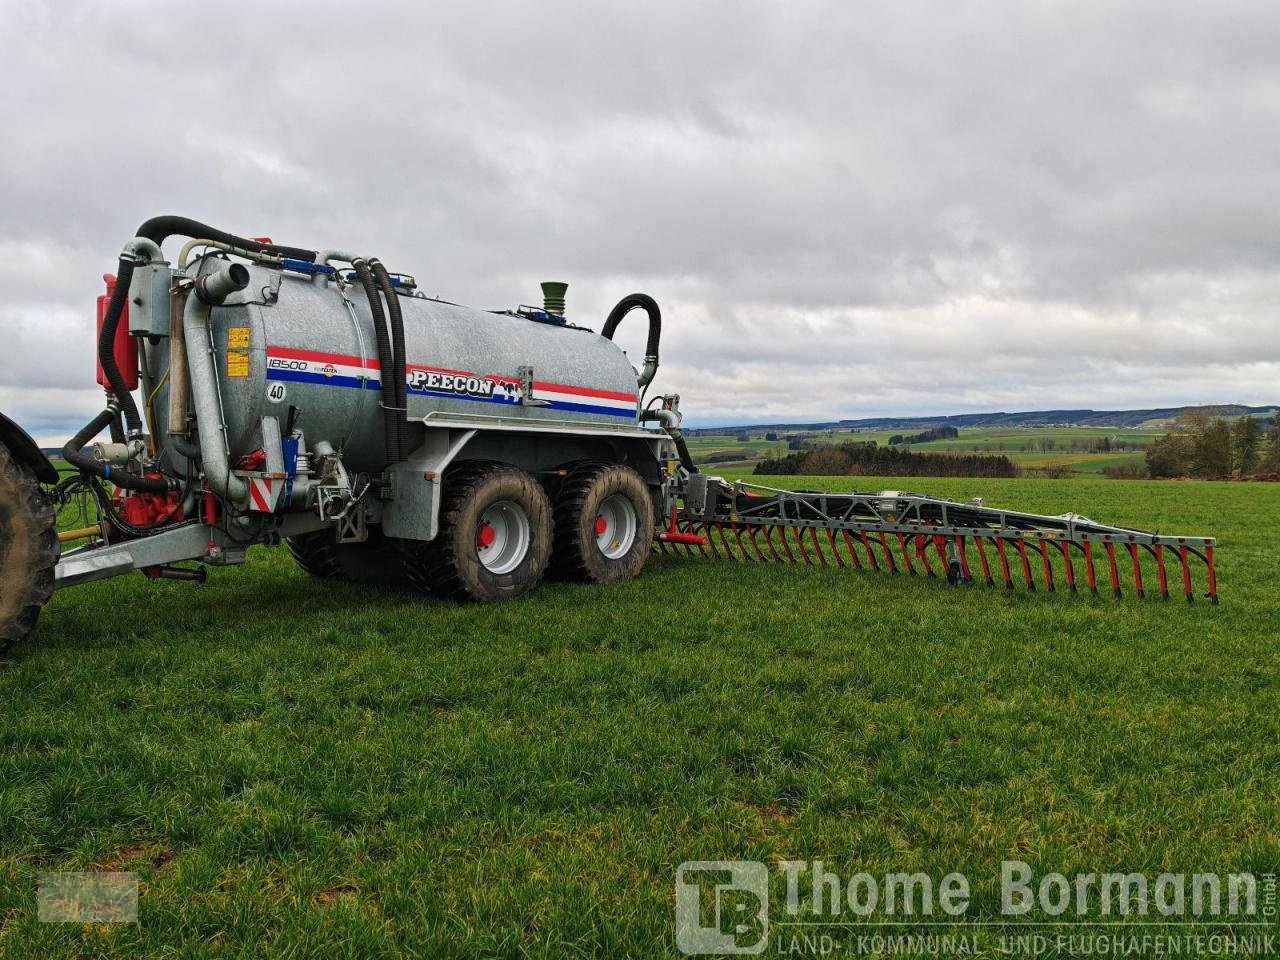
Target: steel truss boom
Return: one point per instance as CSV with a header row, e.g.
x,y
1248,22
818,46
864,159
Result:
x,y
896,531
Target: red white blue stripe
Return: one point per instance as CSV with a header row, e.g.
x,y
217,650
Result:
x,y
342,370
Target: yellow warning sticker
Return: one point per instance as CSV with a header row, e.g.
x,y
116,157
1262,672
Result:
x,y
237,364
237,338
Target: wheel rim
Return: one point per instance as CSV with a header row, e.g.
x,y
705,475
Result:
x,y
616,526
502,540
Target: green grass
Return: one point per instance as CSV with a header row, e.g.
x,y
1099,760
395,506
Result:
x,y
307,769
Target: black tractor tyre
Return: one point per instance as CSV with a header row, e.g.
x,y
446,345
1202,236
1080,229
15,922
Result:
x,y
29,549
451,565
589,529
376,560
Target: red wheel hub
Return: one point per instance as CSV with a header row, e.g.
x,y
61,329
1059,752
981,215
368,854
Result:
x,y
601,525
485,536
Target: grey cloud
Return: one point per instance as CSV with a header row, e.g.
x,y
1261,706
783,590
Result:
x,y
922,208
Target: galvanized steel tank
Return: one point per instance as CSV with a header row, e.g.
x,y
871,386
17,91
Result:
x,y
294,341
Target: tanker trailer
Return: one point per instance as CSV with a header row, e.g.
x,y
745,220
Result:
x,y
258,393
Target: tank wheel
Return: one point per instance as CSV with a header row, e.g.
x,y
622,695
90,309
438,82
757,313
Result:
x,y
494,540
29,549
377,560
604,524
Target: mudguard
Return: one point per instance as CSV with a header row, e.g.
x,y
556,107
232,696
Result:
x,y
25,451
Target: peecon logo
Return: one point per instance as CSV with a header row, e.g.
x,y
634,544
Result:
x,y
722,907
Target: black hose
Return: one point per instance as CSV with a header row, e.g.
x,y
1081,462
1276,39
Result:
x,y
386,364
74,454
179,443
625,306
106,346
157,230
117,429
397,355
160,229
686,460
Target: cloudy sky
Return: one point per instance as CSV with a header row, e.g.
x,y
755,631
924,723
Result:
x,y
845,209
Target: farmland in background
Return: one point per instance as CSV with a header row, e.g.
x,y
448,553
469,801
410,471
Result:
x,y
1035,449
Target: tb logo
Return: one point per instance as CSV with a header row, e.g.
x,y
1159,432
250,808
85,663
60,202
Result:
x,y
722,907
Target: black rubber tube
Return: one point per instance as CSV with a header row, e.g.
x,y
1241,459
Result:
x,y
160,229
396,319
686,460
157,230
386,364
117,429
106,346
649,306
74,454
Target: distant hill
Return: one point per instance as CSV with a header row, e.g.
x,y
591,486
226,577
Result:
x,y
1031,418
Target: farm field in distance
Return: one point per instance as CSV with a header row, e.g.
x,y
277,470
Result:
x,y
1035,449
303,768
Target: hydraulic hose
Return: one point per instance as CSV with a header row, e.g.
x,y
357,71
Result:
x,y
649,306
117,429
386,363
159,229
397,355
686,460
74,454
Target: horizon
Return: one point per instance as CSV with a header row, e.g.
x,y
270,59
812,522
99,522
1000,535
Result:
x,y
48,443
903,220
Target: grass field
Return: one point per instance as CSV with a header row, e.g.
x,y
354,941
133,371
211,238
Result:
x,y
1025,446
304,769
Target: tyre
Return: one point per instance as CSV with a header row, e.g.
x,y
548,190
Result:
x,y
494,540
29,550
604,524
377,560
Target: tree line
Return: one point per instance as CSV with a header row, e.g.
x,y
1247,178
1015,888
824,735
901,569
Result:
x,y
937,433
859,459
1212,448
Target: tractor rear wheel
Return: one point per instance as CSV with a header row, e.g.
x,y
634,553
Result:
x,y
29,549
604,524
376,560
494,540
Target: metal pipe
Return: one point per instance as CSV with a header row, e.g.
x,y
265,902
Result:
x,y
179,378
327,257
670,421
211,290
184,256
345,256
66,536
